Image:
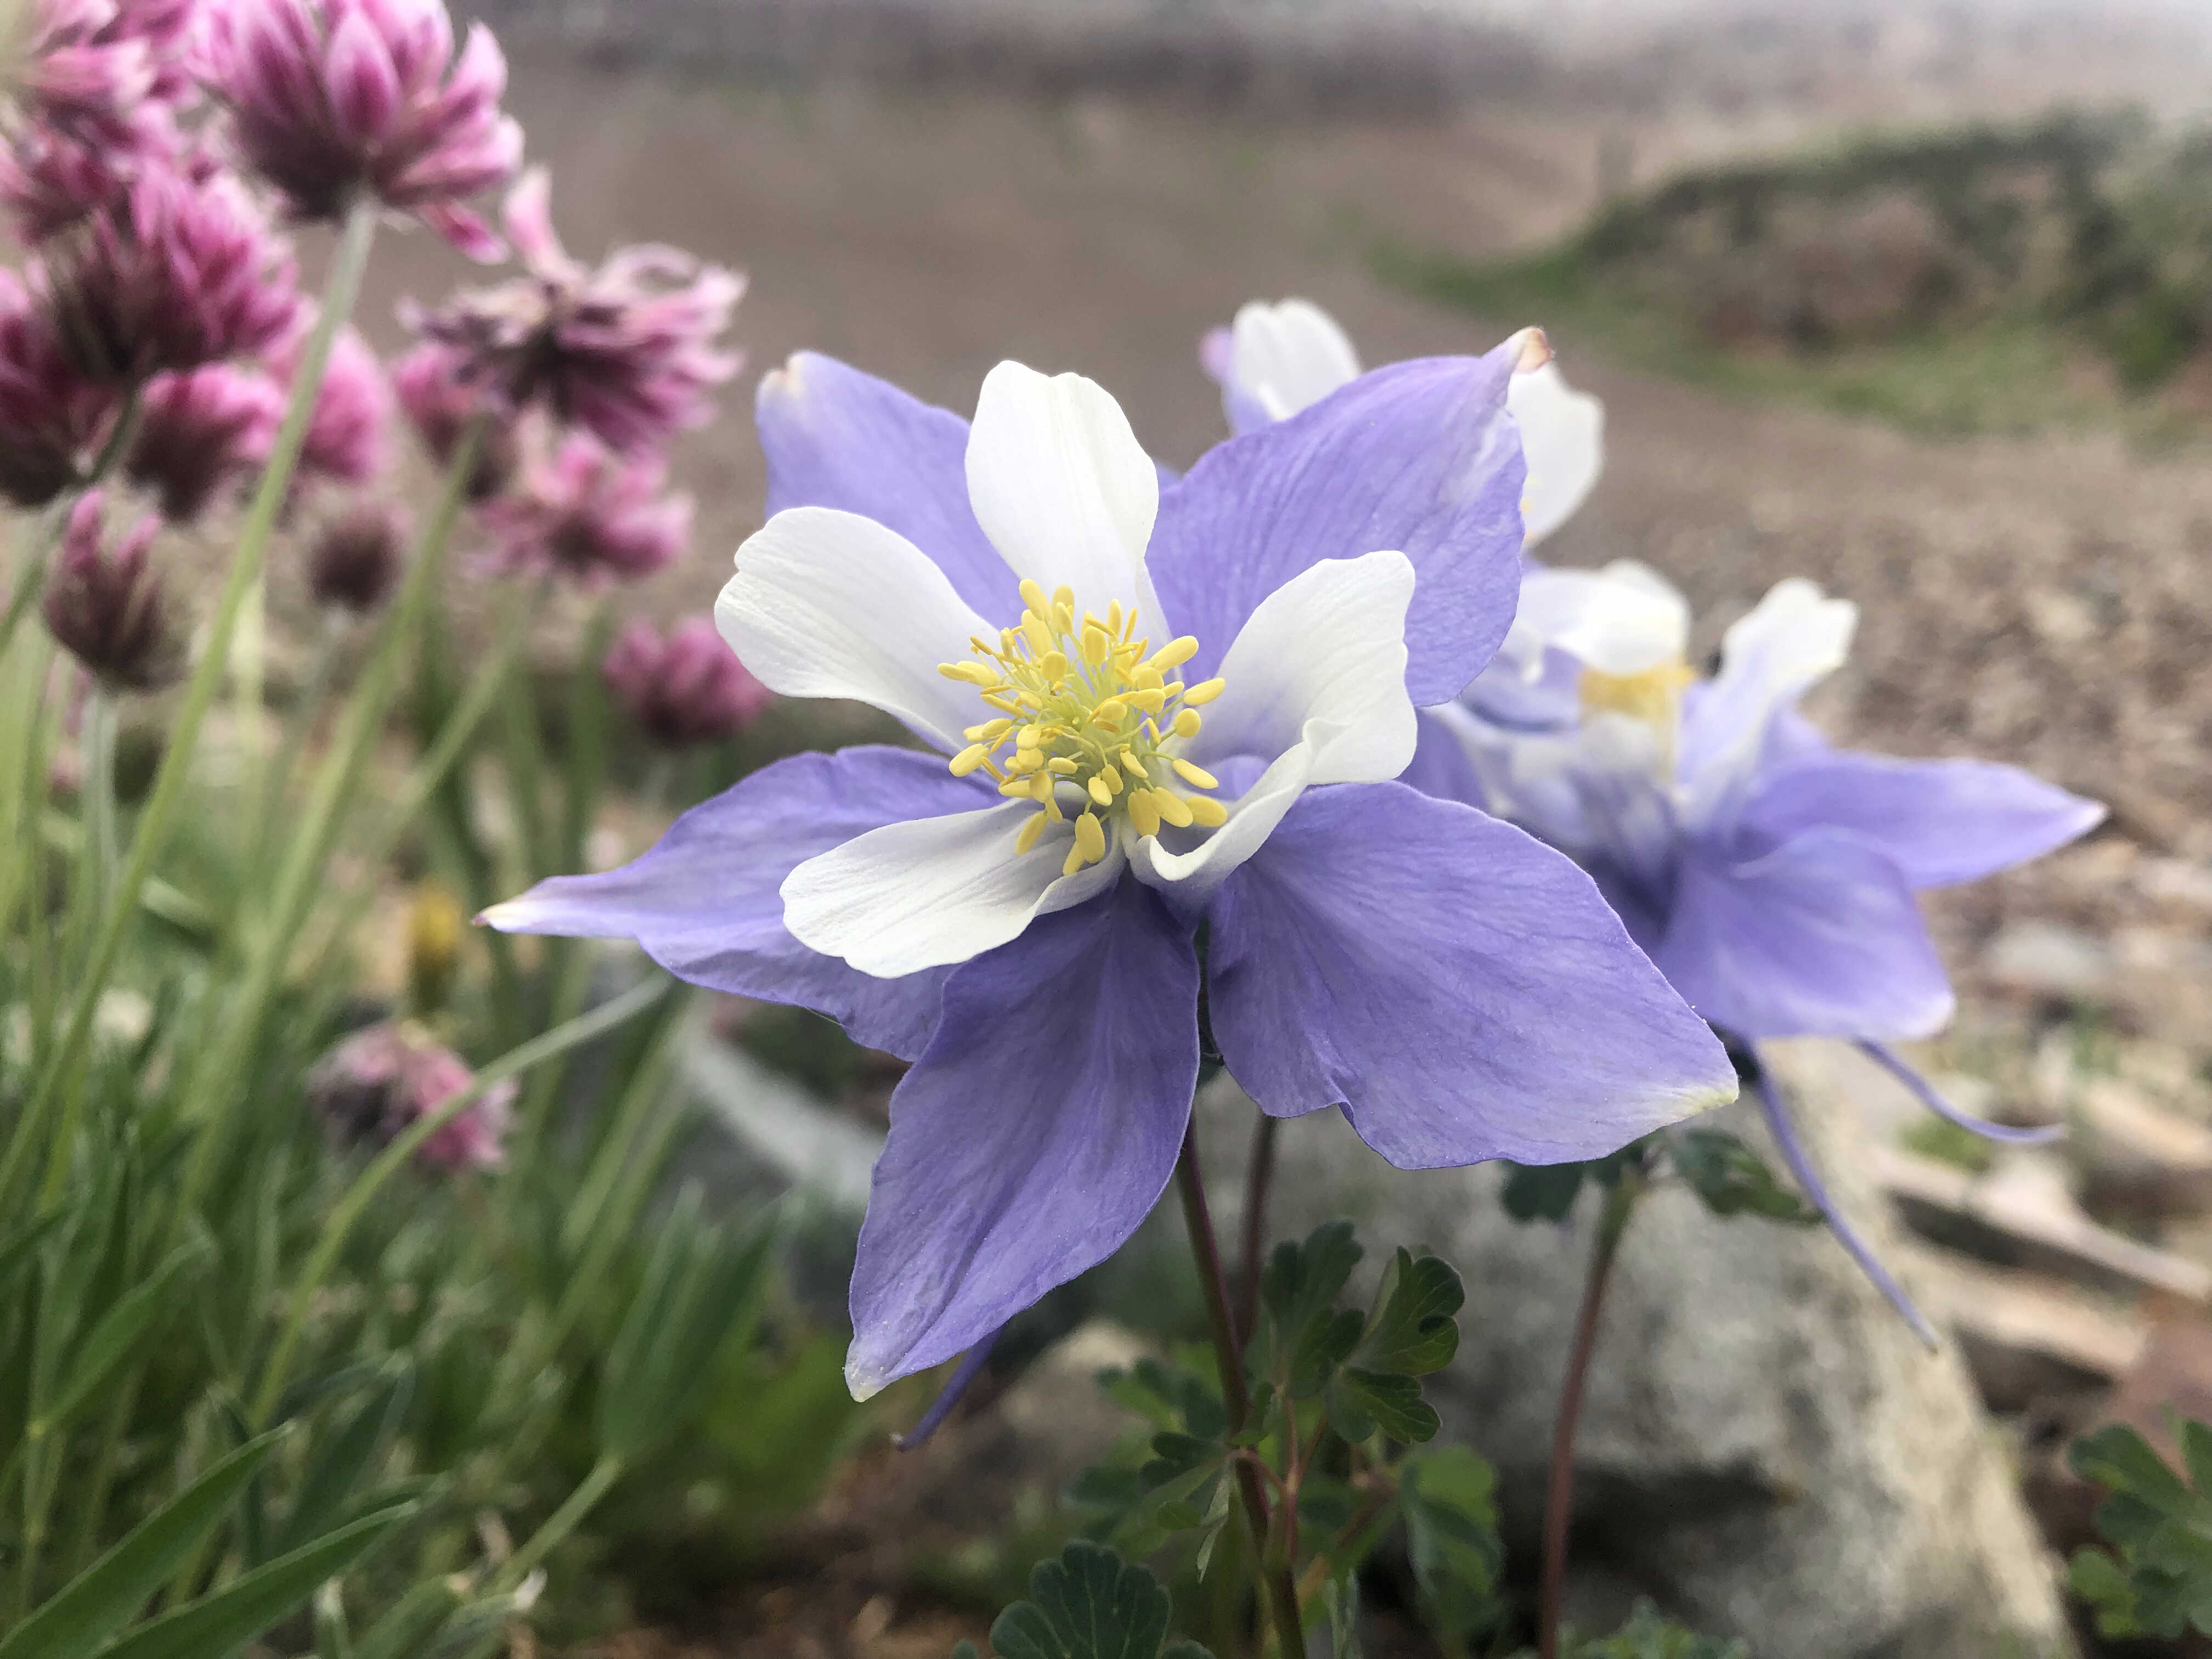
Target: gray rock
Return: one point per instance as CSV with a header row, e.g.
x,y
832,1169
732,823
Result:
x,y
1765,1449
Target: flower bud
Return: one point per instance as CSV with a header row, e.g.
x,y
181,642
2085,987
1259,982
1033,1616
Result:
x,y
51,417
592,516
105,605
199,430
329,98
440,401
381,1080
688,688
346,433
355,561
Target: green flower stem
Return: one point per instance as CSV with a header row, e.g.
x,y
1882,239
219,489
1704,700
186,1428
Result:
x,y
166,794
1259,1177
98,752
558,1525
350,1209
1560,1497
300,874
1280,1591
321,661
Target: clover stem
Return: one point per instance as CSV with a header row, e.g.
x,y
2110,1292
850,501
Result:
x,y
1260,1176
1560,1497
1275,1569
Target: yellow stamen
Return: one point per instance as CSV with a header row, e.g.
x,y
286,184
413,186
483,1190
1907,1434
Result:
x,y
1209,813
1031,832
969,758
1204,692
1197,775
1100,792
974,673
1143,815
1174,653
1187,723
1112,712
1173,808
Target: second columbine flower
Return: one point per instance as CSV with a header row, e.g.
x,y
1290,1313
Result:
x,y
1167,726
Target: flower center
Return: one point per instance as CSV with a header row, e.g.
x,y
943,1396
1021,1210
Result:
x,y
1653,697
1087,708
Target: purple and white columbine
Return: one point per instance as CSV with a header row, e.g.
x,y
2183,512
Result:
x,y
1770,877
1162,711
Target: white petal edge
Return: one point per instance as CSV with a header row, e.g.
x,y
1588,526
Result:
x,y
1062,488
1320,663
1787,643
1289,355
1329,645
1624,619
1563,441
828,604
933,891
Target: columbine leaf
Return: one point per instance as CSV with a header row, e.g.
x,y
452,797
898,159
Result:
x,y
1451,1528
1413,1330
1362,1401
1325,1342
1541,1192
1088,1604
1734,1180
1301,1280
2117,1456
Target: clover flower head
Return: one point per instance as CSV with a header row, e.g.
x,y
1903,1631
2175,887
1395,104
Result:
x,y
103,604
625,350
381,1080
1277,358
355,559
51,417
684,687
440,401
179,272
590,515
1152,710
199,430
328,99
94,69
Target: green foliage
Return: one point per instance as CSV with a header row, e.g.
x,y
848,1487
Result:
x,y
1648,1636
1451,1534
2156,1578
1088,1604
1547,1192
1732,1179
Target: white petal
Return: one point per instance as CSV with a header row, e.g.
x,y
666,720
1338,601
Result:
x,y
828,604
1315,683
1562,438
1289,355
931,891
1625,619
1061,486
1789,642
1327,645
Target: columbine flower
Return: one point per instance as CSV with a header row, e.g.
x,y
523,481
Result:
x,y
104,605
1770,877
440,401
346,436
627,351
590,516
1152,712
379,1082
1276,360
51,417
182,273
330,97
199,431
684,687
354,560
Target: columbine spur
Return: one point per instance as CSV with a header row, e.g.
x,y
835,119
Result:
x,y
1156,716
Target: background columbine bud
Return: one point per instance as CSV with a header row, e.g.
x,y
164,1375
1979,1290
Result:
x,y
180,273
355,559
331,97
688,688
592,516
378,1082
440,402
199,430
105,607
50,415
627,351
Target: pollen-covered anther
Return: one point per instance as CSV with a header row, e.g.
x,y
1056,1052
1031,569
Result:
x,y
1090,708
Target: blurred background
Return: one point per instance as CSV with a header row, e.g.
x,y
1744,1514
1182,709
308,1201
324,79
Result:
x,y
1913,299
